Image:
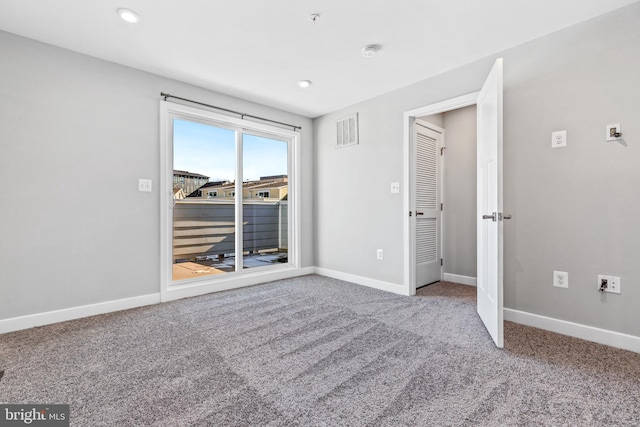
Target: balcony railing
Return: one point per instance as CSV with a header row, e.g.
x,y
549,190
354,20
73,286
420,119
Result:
x,y
206,227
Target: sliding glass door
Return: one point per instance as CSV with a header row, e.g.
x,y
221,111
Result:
x,y
230,202
265,197
204,211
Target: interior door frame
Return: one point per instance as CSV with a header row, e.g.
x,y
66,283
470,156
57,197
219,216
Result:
x,y
408,222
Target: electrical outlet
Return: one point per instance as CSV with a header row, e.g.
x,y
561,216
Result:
x,y
609,284
380,254
559,139
395,187
560,279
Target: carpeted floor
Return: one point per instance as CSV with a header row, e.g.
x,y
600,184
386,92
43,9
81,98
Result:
x,y
314,351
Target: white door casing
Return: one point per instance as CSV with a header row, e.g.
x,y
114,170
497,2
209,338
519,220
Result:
x,y
489,210
409,223
428,142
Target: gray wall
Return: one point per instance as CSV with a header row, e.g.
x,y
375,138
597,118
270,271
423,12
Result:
x,y
434,119
460,192
76,135
575,209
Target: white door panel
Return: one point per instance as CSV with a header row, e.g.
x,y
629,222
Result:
x,y
489,212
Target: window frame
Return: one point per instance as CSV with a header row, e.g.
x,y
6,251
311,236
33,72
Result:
x,y
170,290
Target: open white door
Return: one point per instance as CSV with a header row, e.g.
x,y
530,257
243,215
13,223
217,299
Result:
x,y
489,212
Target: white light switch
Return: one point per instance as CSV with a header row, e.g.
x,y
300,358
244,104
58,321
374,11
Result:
x,y
559,139
395,187
144,185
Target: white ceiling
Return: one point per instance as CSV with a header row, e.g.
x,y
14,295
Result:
x,y
259,49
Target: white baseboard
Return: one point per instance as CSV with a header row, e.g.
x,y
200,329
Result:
x,y
48,317
589,333
463,280
364,281
234,282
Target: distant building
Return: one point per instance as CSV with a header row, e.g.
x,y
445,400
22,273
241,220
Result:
x,y
188,181
220,189
266,188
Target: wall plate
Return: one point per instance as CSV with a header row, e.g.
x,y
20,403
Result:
x,y
559,139
612,130
560,279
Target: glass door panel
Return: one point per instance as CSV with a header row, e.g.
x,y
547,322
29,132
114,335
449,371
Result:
x,y
265,194
204,213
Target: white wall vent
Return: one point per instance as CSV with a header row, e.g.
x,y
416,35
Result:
x,y
347,131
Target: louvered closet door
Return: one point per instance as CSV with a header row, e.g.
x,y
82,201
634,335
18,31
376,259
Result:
x,y
427,144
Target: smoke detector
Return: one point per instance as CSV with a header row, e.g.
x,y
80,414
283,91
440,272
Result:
x,y
370,50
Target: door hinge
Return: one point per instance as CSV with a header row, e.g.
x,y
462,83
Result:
x,y
442,150
441,206
441,262
410,213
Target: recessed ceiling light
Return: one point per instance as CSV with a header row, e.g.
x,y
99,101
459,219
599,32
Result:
x,y
370,50
129,15
304,83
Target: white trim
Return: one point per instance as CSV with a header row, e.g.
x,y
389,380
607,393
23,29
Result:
x,y
589,333
56,316
463,280
364,281
409,282
235,281
62,315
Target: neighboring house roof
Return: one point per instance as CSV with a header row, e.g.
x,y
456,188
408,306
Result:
x,y
264,185
278,181
216,184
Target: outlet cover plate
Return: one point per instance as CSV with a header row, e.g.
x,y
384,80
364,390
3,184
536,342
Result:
x,y
560,279
613,283
559,139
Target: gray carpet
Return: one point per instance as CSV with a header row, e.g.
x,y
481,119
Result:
x,y
314,351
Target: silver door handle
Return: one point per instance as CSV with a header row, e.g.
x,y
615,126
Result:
x,y
491,217
506,216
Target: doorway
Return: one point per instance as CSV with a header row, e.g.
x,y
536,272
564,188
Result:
x,y
431,114
457,240
489,199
